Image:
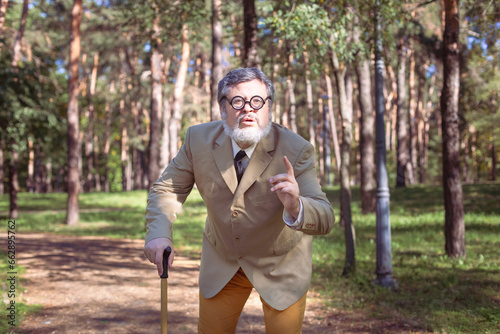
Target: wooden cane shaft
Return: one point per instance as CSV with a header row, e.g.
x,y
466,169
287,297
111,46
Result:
x,y
164,305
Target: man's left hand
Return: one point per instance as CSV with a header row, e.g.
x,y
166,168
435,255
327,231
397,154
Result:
x,y
287,189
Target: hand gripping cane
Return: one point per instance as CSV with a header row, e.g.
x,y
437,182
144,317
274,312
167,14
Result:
x,y
164,291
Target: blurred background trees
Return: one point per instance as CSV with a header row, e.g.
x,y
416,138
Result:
x,y
147,71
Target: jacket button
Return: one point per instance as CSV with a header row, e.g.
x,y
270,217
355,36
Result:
x,y
235,214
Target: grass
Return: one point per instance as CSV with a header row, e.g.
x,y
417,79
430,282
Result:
x,y
435,294
22,310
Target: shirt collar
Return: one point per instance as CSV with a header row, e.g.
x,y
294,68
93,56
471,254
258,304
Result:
x,y
248,151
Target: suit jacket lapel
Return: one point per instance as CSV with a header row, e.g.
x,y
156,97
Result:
x,y
223,155
261,158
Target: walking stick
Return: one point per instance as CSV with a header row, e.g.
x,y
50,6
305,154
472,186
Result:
x,y
164,291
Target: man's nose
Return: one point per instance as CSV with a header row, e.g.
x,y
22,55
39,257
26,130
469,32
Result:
x,y
247,108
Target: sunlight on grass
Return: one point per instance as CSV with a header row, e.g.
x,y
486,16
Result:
x,y
435,293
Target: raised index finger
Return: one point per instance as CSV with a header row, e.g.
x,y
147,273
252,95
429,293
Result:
x,y
288,165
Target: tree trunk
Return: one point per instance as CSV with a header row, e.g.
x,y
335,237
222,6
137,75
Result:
x,y
309,102
48,178
367,155
250,54
412,110
165,136
276,66
345,165
326,144
175,120
74,151
136,111
39,172
426,127
107,135
2,174
89,135
236,36
97,175
30,182
391,107
216,74
291,95
14,184
156,104
403,152
124,146
453,198
16,56
137,150
332,117
493,173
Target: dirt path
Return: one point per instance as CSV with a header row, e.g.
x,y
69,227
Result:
x,y
102,285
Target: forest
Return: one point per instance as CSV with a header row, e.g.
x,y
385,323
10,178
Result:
x,y
97,95
399,99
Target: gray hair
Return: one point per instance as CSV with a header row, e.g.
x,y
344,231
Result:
x,y
240,75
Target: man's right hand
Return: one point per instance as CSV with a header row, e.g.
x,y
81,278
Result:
x,y
154,252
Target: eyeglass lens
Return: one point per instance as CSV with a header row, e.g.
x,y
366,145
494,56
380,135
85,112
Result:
x,y
256,102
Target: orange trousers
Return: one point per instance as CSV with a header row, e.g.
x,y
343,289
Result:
x,y
220,314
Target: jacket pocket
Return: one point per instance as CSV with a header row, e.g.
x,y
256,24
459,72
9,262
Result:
x,y
286,241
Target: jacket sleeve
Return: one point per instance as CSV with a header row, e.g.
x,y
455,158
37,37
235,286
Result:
x,y
168,194
318,212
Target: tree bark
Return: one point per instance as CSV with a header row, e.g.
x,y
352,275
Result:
x,y
175,120
138,154
216,74
493,173
107,140
48,178
236,36
403,152
309,101
74,151
14,184
452,186
345,165
291,95
276,68
156,103
2,174
250,51
16,56
89,134
124,140
30,182
391,107
412,111
367,155
39,172
332,117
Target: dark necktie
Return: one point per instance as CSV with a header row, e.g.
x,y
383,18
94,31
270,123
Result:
x,y
238,165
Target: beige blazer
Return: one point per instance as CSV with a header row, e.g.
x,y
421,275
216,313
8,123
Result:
x,y
244,226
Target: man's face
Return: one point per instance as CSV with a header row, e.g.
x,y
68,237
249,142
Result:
x,y
248,117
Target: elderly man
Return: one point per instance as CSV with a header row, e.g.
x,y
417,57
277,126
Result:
x,y
264,203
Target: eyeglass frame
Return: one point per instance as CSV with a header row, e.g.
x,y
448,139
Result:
x,y
245,101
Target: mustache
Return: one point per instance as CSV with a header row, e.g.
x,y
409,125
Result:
x,y
241,117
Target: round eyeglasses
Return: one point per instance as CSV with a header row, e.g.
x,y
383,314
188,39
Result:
x,y
238,102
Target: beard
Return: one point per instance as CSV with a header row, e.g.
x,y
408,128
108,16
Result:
x,y
247,135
